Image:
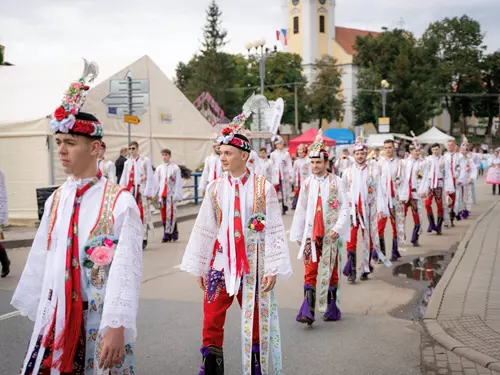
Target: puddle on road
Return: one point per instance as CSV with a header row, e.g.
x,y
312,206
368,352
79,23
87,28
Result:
x,y
428,271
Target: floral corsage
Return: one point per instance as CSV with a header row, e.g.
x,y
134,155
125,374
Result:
x,y
100,251
419,175
334,203
370,189
256,223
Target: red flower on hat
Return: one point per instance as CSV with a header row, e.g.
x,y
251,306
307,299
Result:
x,y
60,114
226,131
83,127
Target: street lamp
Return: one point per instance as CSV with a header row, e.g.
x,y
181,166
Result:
x,y
261,54
384,91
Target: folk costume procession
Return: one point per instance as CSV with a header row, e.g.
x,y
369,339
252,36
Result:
x,y
107,167
237,248
169,181
464,193
301,171
282,173
138,179
81,282
453,160
493,174
212,168
321,228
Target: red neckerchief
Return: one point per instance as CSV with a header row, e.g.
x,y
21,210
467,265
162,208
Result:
x,y
319,224
68,338
165,188
242,266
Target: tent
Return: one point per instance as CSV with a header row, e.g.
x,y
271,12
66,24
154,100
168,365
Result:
x,y
342,136
27,150
307,138
434,135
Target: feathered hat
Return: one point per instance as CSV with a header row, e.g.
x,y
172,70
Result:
x,y
360,144
317,149
234,133
302,148
68,118
416,144
279,140
465,143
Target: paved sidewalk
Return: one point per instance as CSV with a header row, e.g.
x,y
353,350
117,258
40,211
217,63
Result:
x,y
23,236
464,312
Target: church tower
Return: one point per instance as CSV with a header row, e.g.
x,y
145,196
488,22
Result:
x,y
310,28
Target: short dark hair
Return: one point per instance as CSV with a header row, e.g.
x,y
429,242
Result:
x,y
166,151
134,143
435,145
388,141
263,149
376,149
345,150
411,147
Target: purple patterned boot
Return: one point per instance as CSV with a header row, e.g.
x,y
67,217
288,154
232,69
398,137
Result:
x,y
350,267
414,237
432,223
165,235
333,313
306,312
256,360
395,251
212,361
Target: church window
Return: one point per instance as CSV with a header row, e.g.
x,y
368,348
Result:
x,y
295,25
322,2
321,24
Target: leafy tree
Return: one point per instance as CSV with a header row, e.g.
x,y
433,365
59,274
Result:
x,y
214,35
488,106
324,100
457,44
397,57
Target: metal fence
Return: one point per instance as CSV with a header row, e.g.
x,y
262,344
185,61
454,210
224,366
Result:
x,y
196,196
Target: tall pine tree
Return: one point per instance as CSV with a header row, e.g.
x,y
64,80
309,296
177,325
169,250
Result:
x,y
214,35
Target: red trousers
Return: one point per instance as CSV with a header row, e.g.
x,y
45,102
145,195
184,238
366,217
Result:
x,y
138,200
351,245
163,211
311,271
437,195
214,317
414,210
383,222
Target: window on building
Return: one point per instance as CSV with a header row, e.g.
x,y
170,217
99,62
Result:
x,y
321,24
295,25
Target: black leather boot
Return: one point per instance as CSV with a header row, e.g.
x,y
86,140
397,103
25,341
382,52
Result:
x,y
439,225
5,261
432,223
213,361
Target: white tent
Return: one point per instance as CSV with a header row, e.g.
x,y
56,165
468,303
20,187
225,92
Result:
x,y
434,135
26,143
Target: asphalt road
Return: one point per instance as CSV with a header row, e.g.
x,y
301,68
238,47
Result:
x,y
370,339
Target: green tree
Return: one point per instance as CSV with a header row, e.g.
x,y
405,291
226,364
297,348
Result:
x,y
488,106
457,44
324,101
397,57
214,35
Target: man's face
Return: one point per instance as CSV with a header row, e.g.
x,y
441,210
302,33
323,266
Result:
x,y
301,154
102,151
345,154
436,151
76,152
360,156
422,154
125,153
377,153
217,149
263,154
452,146
134,151
389,150
415,153
318,166
165,157
232,159
464,152
279,146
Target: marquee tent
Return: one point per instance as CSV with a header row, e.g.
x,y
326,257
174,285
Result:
x,y
341,136
307,137
434,135
27,153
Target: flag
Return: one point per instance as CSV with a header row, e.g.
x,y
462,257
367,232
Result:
x,y
281,34
112,110
283,31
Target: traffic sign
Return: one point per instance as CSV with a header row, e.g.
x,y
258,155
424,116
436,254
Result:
x,y
384,124
121,86
131,119
121,100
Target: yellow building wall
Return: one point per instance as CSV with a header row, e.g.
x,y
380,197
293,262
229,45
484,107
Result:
x,y
295,40
343,58
322,37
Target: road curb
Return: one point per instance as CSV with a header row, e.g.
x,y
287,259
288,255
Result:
x,y
26,242
430,318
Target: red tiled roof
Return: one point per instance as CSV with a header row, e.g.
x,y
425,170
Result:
x,y
347,37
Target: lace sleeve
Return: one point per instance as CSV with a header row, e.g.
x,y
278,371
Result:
x,y
124,281
277,258
299,218
199,250
26,298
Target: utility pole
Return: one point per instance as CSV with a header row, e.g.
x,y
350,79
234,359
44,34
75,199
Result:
x,y
129,79
296,104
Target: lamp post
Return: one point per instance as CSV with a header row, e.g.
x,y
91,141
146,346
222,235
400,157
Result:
x,y
384,91
259,52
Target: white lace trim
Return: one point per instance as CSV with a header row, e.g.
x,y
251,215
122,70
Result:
x,y
123,287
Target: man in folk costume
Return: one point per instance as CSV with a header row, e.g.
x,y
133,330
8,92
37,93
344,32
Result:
x,y
169,181
4,221
453,159
138,178
320,226
301,171
267,165
437,180
390,179
82,278
367,206
212,169
410,192
107,167
253,162
237,248
493,174
344,162
464,190
282,172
